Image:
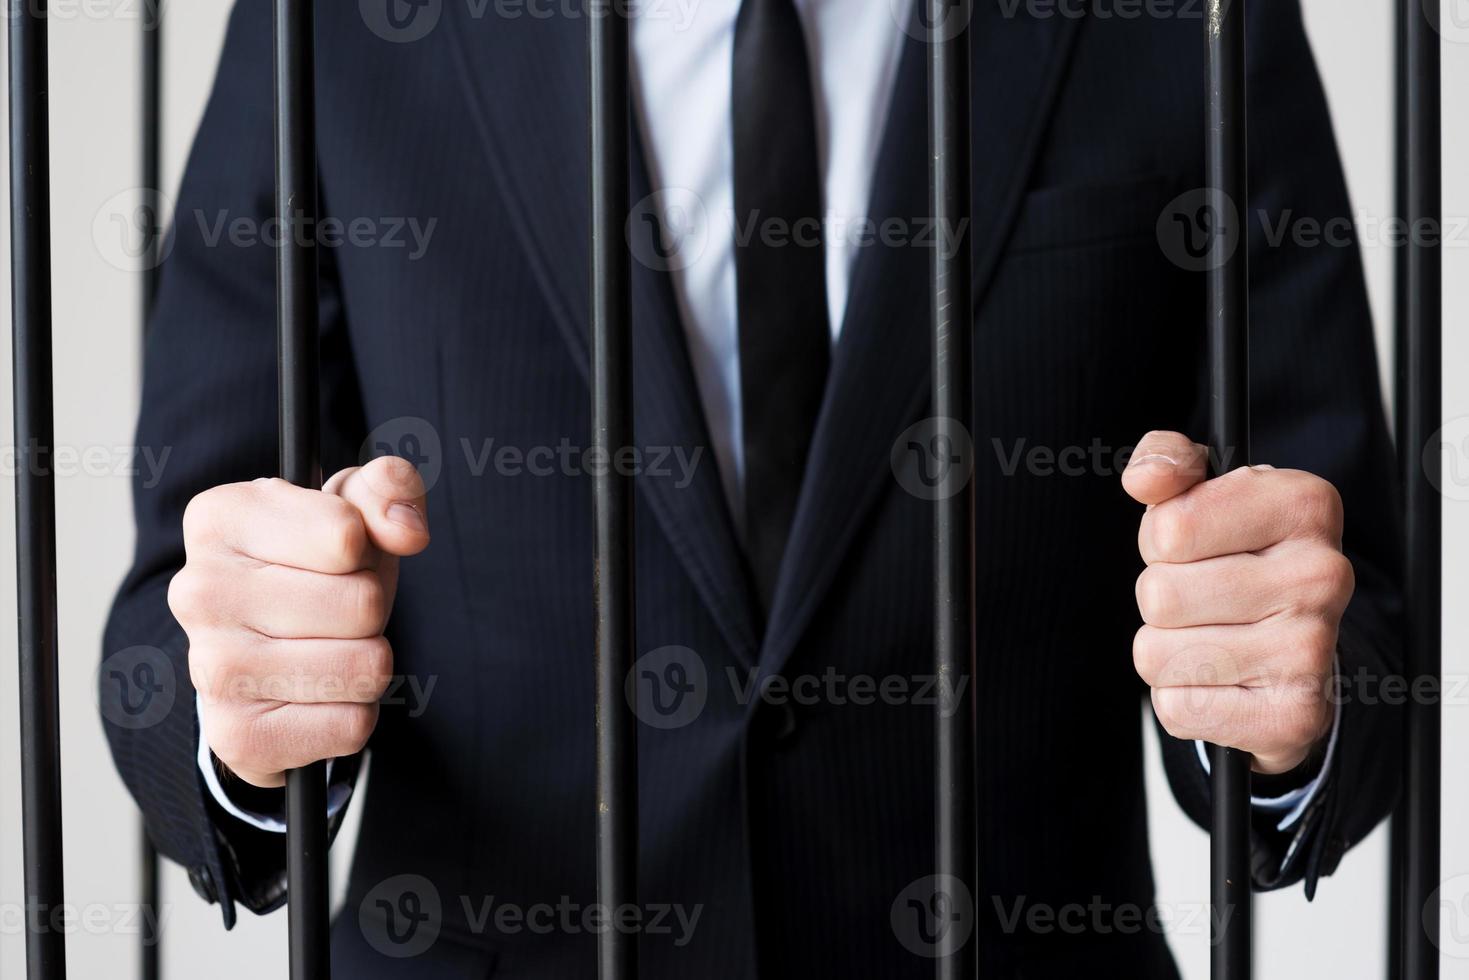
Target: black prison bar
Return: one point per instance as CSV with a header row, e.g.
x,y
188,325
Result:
x,y
296,323
613,597
35,488
1397,842
1228,305
150,935
150,107
152,216
1420,410
950,310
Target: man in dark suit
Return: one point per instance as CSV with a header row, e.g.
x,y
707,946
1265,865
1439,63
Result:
x,y
783,524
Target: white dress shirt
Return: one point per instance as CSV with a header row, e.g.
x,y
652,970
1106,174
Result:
x,y
682,63
682,83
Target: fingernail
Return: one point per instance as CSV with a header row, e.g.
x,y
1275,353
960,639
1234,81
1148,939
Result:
x,y
407,515
1152,458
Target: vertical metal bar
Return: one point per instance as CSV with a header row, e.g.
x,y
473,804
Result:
x,y
612,489
1400,208
1228,299
35,489
951,303
150,163
1397,838
150,171
296,315
149,933
1421,406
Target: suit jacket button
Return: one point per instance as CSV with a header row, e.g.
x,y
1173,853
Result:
x,y
203,883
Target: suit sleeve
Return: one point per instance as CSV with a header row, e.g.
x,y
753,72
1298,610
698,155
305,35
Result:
x,y
1316,405
209,413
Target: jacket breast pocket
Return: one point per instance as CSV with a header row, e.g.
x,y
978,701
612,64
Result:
x,y
1086,302
1087,215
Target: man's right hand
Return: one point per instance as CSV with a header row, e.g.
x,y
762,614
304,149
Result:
x,y
284,596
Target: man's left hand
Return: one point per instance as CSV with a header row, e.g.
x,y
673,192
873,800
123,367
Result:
x,y
1243,594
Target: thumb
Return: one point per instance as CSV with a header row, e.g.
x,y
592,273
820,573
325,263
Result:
x,y
389,494
1164,465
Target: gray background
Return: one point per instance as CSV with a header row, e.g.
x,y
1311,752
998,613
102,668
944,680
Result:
x,y
94,124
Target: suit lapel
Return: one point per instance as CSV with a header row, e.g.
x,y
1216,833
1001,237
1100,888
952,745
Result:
x,y
879,381
525,81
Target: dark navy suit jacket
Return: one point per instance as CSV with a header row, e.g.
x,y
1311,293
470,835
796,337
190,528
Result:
x,y
793,828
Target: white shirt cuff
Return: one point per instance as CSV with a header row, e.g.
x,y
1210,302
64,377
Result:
x,y
337,794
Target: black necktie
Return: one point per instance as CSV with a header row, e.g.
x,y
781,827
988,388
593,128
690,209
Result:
x,y
780,269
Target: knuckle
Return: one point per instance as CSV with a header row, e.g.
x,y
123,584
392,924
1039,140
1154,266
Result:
x,y
346,536
1328,579
232,738
188,594
369,603
333,484
1341,578
374,667
1148,655
204,515
1157,596
357,726
1320,506
399,476
1171,709
1172,533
